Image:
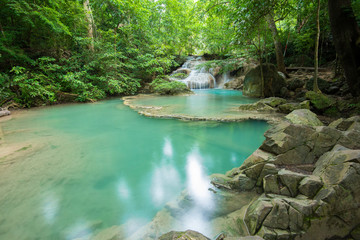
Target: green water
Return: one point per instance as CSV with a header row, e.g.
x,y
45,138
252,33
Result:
x,y
99,165
204,103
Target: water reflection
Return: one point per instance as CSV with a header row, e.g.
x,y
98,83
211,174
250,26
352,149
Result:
x,y
198,185
50,207
123,190
166,181
81,229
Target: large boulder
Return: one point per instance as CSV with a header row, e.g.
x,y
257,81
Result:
x,y
273,82
305,117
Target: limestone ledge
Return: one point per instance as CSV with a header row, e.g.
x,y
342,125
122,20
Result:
x,y
237,116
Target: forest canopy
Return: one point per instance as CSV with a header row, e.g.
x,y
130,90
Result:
x,y
84,50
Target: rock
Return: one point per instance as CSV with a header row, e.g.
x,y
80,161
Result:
x,y
325,139
350,139
294,84
254,171
257,157
310,186
355,234
282,138
304,116
278,216
220,181
341,166
271,184
319,100
256,214
187,235
295,156
258,106
243,183
267,233
303,205
237,83
273,101
284,92
289,107
344,124
296,218
4,112
291,180
322,84
268,169
273,82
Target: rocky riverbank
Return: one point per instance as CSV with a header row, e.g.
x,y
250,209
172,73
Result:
x,y
308,177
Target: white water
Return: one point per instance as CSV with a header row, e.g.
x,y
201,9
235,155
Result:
x,y
201,78
198,78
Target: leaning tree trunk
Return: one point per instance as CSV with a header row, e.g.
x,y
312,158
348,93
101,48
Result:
x,y
90,20
346,34
316,60
277,43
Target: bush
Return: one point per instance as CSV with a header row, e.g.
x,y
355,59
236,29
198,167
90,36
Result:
x,y
165,87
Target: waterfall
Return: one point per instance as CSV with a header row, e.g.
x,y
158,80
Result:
x,y
198,78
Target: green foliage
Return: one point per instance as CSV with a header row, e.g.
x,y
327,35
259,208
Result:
x,y
163,86
180,75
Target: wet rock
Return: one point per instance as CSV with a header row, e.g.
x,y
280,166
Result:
x,y
273,82
187,235
237,83
256,214
310,186
305,117
291,180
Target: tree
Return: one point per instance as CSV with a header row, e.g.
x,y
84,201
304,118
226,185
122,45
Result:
x,y
346,33
316,55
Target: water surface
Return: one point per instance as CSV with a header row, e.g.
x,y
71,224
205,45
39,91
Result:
x,y
99,165
203,103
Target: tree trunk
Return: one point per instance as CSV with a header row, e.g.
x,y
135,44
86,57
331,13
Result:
x,y
346,34
90,20
316,60
277,43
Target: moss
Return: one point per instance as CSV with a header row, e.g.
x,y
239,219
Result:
x,y
320,101
180,75
332,112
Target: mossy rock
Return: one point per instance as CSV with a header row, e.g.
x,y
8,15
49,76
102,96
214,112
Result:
x,y
320,101
322,84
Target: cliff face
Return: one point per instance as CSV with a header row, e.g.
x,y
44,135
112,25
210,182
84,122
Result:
x,y
309,176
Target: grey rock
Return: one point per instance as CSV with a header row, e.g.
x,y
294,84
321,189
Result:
x,y
273,82
256,214
278,216
295,83
295,156
310,186
271,184
273,101
267,233
304,116
296,220
291,180
254,171
268,169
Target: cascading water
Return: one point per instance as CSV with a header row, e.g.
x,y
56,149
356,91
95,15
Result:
x,y
198,78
